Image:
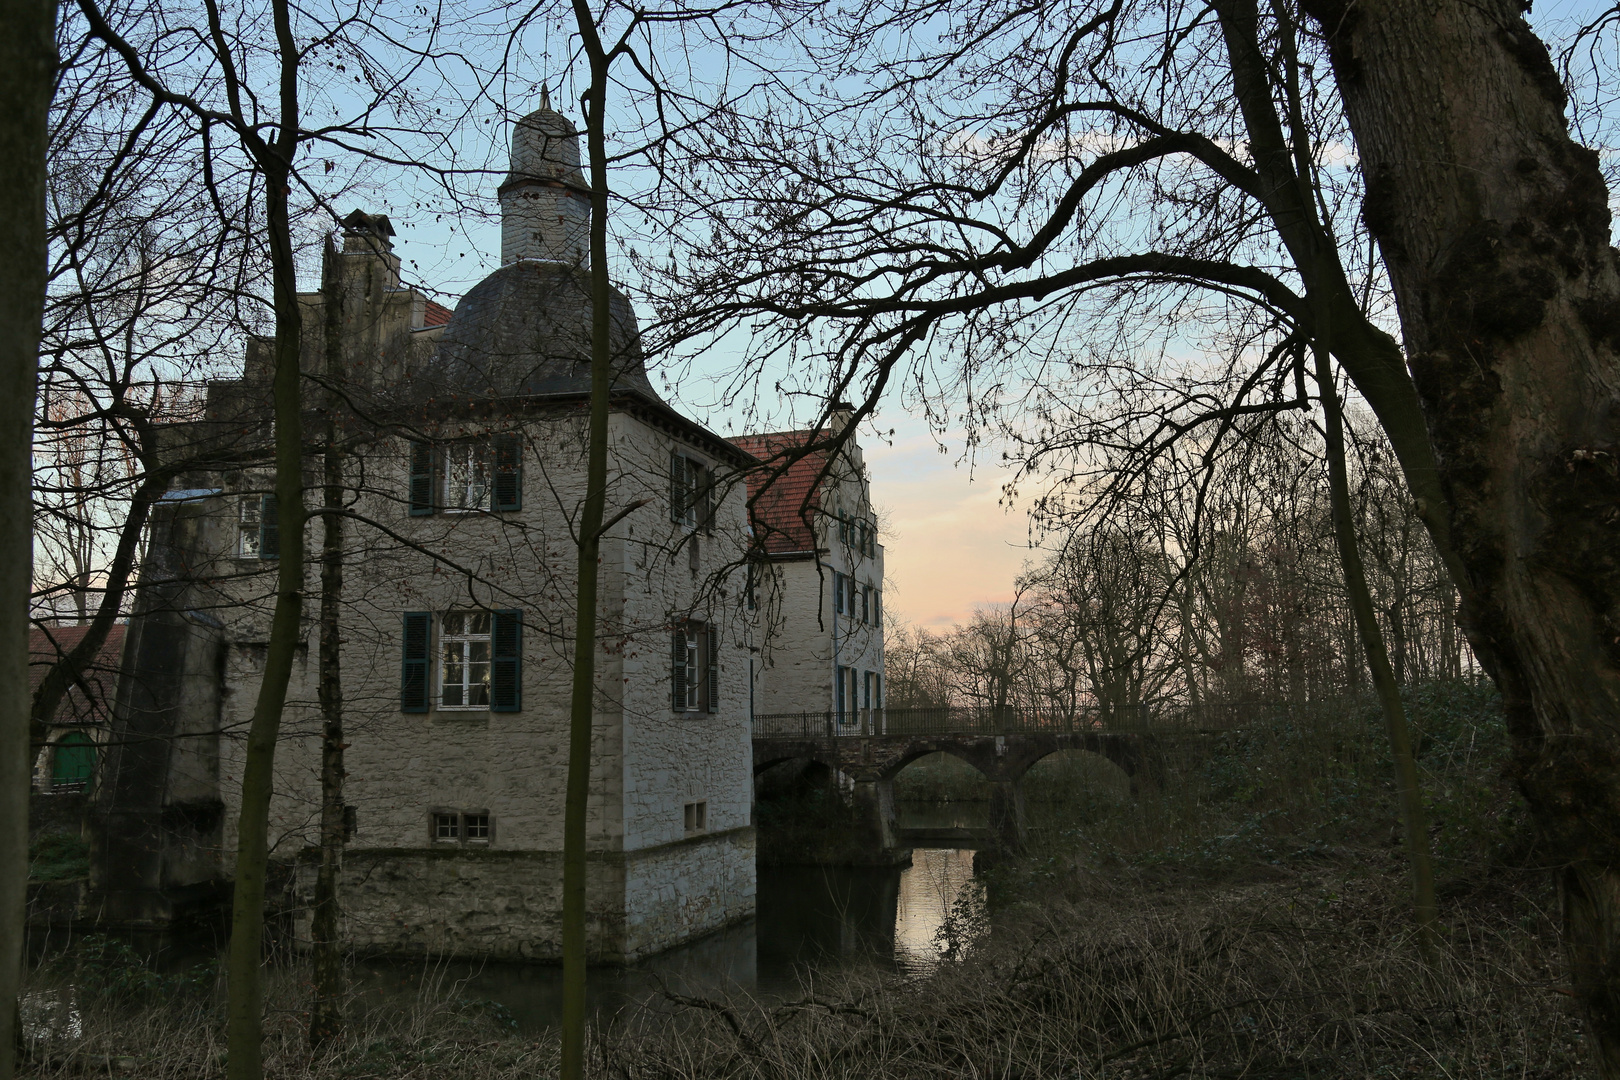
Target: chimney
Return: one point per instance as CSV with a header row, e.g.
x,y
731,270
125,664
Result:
x,y
839,416
372,235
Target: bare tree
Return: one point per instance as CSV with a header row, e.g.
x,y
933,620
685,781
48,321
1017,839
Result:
x,y
27,60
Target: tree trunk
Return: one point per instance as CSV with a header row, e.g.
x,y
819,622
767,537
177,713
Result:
x,y
326,1008
583,701
244,983
1494,226
1407,788
27,61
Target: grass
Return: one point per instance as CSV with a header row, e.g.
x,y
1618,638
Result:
x,y
1248,919
58,857
1301,972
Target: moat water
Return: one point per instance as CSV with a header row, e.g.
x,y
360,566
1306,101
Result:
x,y
811,922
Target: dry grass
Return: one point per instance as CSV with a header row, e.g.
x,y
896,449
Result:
x,y
1309,974
1248,920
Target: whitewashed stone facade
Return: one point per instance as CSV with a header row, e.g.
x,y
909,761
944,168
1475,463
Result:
x,y
457,753
820,605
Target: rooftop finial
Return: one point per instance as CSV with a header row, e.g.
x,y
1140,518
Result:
x,y
545,96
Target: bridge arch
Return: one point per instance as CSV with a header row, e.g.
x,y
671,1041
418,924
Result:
x,y
1087,768
950,748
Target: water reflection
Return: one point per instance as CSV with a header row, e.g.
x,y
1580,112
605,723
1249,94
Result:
x,y
938,910
810,919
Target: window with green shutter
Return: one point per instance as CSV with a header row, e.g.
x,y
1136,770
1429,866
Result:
x,y
694,668
421,479
269,528
678,682
711,692
506,662
508,472
73,761
413,678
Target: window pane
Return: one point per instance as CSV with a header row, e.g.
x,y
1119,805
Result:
x,y
477,826
247,544
465,660
444,827
466,477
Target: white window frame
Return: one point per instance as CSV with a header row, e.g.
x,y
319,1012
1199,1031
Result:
x,y
696,635
460,824
697,501
248,526
696,670
466,465
466,640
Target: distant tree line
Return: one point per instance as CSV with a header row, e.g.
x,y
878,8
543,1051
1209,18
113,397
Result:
x,y
1187,596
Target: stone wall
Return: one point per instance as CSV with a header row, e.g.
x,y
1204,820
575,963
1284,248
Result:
x,y
507,905
648,761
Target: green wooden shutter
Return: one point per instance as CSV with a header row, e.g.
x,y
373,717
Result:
x,y
506,662
413,677
421,484
677,488
508,472
838,593
269,528
677,669
74,759
713,635
705,481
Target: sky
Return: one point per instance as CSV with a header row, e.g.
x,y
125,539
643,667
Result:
x,y
950,543
949,546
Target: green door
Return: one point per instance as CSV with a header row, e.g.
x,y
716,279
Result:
x,y
73,761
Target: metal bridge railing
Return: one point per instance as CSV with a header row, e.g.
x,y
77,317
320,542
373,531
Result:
x,y
988,720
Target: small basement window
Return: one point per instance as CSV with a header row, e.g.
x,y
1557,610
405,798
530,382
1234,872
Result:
x,y
697,817
463,827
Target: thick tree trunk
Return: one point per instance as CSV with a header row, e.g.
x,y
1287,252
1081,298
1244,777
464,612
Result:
x,y
326,957
1494,226
27,60
244,979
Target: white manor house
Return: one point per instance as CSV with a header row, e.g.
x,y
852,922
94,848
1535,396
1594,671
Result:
x,y
464,468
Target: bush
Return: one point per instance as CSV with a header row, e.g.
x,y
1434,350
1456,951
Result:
x,y
105,967
58,857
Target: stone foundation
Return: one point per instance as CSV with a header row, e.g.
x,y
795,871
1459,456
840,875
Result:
x,y
507,905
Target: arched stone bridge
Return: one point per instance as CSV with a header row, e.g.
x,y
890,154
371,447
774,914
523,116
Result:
x,y
871,756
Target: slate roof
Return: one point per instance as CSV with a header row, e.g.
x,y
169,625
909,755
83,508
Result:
x,y
784,511
525,329
45,645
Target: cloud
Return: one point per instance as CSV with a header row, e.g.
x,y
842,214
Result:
x,y
951,547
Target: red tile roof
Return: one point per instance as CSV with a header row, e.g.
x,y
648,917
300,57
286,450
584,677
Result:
x,y
784,502
47,644
435,315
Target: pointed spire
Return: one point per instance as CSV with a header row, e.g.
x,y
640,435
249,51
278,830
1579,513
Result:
x,y
545,96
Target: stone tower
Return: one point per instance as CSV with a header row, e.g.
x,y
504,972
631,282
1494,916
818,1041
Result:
x,y
545,202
